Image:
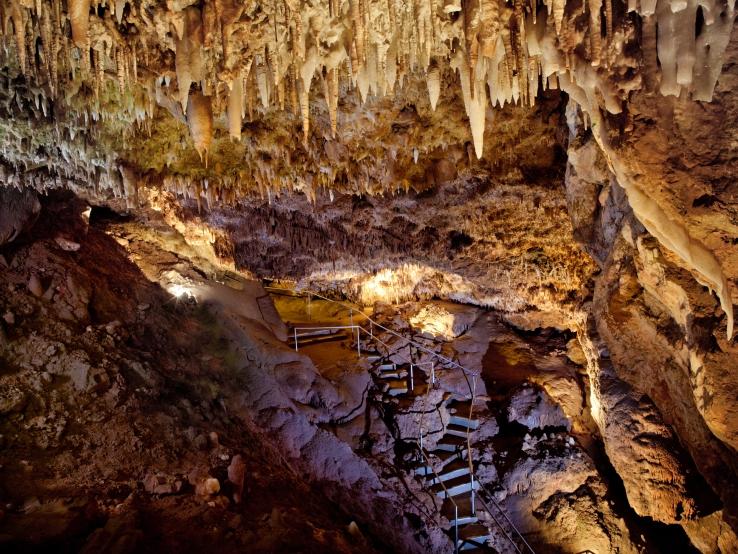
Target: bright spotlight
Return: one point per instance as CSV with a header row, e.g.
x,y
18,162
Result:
x,y
178,291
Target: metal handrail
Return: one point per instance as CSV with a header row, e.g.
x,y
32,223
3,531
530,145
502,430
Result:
x,y
472,389
466,372
324,327
502,511
395,333
502,528
448,497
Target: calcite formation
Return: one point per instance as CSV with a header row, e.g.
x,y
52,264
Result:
x,y
503,53
388,151
87,62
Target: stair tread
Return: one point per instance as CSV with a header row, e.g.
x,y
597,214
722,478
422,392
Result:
x,y
391,375
453,482
453,466
462,501
453,440
475,528
320,338
444,455
459,427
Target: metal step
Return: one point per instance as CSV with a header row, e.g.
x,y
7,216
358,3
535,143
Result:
x,y
386,367
473,536
445,457
315,339
451,471
479,543
464,422
315,333
397,391
464,520
455,487
458,430
392,375
461,505
451,443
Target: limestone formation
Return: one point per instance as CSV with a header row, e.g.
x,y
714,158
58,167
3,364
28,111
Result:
x,y
540,193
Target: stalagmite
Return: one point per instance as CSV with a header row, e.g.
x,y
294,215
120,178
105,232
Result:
x,y
200,122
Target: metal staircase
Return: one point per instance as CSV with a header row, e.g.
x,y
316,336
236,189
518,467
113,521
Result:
x,y
447,471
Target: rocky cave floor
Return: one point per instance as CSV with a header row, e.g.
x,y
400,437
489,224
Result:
x,y
124,424
114,432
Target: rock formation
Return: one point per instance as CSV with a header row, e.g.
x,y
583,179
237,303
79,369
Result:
x,y
567,166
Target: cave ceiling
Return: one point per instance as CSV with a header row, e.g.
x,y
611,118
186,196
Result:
x,y
230,98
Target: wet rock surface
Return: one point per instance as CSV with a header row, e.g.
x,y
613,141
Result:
x,y
119,427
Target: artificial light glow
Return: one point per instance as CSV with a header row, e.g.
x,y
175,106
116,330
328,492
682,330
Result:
x,y
178,291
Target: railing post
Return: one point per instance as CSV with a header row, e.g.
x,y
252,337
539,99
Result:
x,y
433,373
295,329
371,329
412,378
456,529
358,343
473,507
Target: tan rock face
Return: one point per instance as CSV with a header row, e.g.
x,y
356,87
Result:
x,y
663,333
405,150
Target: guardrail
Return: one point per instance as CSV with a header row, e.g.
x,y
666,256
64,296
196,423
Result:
x,y
472,397
356,328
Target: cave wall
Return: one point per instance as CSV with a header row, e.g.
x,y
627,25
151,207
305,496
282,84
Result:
x,y
656,335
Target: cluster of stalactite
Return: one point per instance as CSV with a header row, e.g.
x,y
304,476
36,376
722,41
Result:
x,y
287,243
200,60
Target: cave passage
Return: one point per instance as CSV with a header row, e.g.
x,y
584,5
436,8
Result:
x,y
347,276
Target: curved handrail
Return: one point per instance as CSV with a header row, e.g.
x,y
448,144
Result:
x,y
502,511
472,390
395,333
448,497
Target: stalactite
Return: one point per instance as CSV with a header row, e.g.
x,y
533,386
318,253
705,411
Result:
x,y
608,15
200,122
99,72
79,17
293,90
357,19
120,69
262,84
594,30
557,9
305,111
433,80
235,106
333,100
188,56
19,27
376,46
